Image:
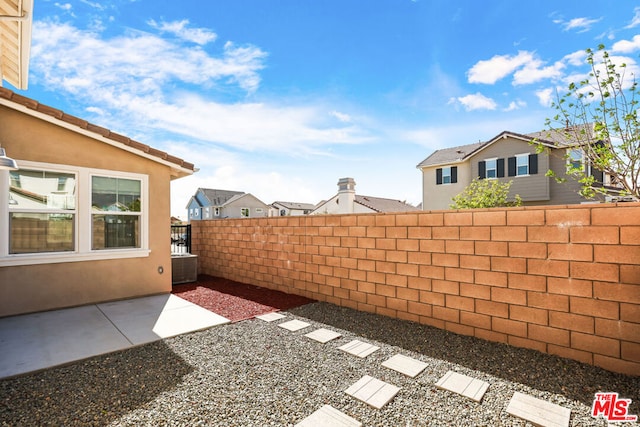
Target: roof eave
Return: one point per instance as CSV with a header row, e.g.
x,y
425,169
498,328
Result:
x,y
178,171
456,162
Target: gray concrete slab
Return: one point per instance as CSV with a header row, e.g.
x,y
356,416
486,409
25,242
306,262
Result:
x,y
405,365
271,317
42,340
323,335
328,416
472,388
538,411
373,391
359,348
294,325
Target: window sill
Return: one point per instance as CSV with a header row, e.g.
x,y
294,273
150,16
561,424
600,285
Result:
x,y
62,258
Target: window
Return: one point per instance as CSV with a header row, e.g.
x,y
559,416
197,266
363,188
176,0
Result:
x,y
42,211
59,213
522,164
491,168
216,211
447,175
115,206
244,212
259,210
574,160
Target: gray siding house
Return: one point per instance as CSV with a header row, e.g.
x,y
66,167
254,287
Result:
x,y
508,156
291,208
209,203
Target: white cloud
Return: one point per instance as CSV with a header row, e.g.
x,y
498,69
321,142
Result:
x,y
545,97
142,82
491,70
534,71
627,46
247,126
343,117
516,105
199,36
582,24
136,62
476,101
94,4
576,59
635,21
64,6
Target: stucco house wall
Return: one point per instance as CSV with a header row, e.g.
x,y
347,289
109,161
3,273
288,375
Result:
x,y
44,281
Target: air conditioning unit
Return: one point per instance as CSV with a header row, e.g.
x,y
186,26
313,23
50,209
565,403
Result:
x,y
184,268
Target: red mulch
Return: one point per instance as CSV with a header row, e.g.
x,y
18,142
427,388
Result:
x,y
236,301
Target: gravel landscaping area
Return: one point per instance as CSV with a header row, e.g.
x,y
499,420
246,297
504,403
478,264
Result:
x,y
254,373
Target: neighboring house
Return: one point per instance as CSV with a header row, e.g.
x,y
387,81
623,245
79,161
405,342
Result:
x,y
347,201
508,156
292,208
15,43
209,203
85,218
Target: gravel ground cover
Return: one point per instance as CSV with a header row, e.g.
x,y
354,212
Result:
x,y
253,373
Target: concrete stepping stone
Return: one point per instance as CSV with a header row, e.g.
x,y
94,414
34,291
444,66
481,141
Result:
x,y
270,317
328,416
373,391
538,411
405,365
294,325
323,335
469,387
359,348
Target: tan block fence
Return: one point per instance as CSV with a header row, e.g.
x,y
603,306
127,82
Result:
x,y
563,280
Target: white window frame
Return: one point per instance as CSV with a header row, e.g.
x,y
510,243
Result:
x,y
216,211
494,168
524,156
571,159
242,211
446,177
83,219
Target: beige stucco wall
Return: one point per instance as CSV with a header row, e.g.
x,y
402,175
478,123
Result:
x,y
31,288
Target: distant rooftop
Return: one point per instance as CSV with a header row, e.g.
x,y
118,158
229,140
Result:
x,y
552,138
380,204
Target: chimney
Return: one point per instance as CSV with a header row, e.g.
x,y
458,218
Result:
x,y
346,194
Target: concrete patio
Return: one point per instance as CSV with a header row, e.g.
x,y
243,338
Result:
x,y
42,340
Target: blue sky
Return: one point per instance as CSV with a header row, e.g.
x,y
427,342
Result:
x,y
281,98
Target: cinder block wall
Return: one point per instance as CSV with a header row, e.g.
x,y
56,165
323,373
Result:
x,y
563,280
